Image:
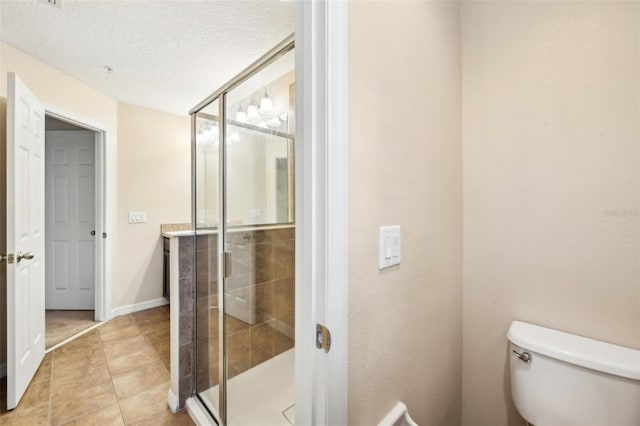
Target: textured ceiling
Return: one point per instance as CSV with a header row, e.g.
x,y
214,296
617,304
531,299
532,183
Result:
x,y
166,55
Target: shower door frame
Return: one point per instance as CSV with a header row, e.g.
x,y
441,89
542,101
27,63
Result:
x,y
321,205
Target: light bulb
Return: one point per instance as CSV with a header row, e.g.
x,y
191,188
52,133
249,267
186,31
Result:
x,y
266,104
241,116
252,112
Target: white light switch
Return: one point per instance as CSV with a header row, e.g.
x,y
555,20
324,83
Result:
x,y
389,246
137,217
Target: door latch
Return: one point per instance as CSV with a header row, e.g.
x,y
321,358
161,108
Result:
x,y
7,257
323,338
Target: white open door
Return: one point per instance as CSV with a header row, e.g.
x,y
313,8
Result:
x,y
25,238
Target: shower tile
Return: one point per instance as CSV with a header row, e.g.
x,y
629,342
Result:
x,y
185,360
284,301
238,352
264,302
281,343
284,234
261,343
234,325
284,259
263,263
248,237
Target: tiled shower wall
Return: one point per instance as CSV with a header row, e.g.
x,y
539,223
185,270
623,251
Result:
x,y
260,300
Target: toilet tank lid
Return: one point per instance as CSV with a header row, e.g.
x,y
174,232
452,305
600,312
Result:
x,y
578,350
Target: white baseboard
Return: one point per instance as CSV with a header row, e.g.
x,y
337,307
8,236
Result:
x,y
3,369
128,309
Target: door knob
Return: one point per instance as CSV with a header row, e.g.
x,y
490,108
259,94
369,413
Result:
x,y
28,255
93,232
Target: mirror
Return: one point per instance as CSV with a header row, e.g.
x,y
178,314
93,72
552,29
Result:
x,y
260,144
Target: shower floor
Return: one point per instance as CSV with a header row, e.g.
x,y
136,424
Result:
x,y
260,396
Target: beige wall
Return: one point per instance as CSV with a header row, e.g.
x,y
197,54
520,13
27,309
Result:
x,y
154,166
551,121
405,330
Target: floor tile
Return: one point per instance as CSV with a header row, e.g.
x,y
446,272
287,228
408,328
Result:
x,y
169,419
32,416
61,325
106,416
132,360
86,399
140,379
119,333
145,405
76,382
36,394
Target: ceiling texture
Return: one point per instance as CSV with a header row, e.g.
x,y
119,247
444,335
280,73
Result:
x,y
165,55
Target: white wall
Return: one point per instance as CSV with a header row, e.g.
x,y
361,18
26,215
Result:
x,y
551,125
405,331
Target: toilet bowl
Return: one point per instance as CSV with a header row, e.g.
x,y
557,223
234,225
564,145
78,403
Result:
x,y
559,378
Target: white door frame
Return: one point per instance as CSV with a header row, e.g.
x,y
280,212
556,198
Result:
x,y
322,273
103,193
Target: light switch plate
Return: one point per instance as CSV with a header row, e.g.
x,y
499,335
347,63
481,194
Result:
x,y
137,217
390,246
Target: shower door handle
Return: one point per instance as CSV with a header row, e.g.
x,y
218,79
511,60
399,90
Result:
x,y
226,266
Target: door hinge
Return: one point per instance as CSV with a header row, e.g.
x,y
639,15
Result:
x,y
7,257
323,337
226,265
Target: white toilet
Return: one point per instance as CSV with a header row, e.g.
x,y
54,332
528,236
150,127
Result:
x,y
560,379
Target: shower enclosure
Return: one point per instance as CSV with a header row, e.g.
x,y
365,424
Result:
x,y
242,194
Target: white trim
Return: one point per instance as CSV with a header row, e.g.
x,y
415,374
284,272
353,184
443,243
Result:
x,y
198,413
104,199
129,309
322,210
172,401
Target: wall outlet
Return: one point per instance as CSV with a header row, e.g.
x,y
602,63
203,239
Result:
x,y
137,217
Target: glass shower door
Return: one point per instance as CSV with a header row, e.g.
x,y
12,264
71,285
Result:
x,y
259,237
245,245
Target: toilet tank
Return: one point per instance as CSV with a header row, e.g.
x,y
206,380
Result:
x,y
572,380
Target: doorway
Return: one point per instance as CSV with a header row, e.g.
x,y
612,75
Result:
x,y
72,213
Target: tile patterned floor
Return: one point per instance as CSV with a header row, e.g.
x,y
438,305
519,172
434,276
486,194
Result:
x,y
61,325
117,374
